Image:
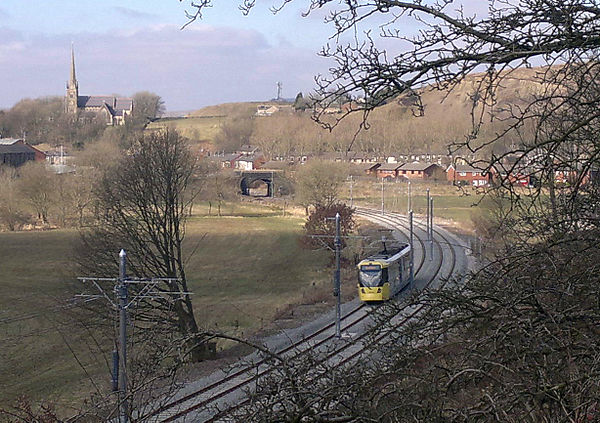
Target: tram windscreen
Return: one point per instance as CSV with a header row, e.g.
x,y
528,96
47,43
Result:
x,y
369,275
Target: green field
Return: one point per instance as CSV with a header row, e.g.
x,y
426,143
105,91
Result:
x,y
35,279
450,203
195,128
247,269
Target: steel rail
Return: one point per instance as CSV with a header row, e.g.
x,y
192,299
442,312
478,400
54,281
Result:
x,y
381,337
294,346
398,223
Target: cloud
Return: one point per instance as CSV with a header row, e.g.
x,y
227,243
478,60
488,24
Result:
x,y
10,42
189,69
133,13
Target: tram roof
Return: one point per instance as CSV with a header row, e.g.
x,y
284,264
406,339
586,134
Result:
x,y
391,255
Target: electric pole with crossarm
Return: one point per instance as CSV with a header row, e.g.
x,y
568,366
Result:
x,y
123,302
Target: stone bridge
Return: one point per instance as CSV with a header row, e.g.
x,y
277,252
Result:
x,y
248,177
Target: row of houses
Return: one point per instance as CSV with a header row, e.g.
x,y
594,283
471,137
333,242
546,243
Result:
x,y
247,157
251,158
355,157
458,174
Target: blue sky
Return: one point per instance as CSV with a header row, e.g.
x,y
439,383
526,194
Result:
x,y
127,46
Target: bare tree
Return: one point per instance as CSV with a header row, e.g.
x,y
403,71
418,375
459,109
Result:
x,y
318,183
143,201
220,185
234,133
517,341
36,188
147,106
12,214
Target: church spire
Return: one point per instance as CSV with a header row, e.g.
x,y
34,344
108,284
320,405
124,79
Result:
x,y
72,87
73,80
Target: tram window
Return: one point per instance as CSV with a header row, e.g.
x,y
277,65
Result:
x,y
370,277
384,276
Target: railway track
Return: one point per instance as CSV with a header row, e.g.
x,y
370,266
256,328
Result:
x,y
225,392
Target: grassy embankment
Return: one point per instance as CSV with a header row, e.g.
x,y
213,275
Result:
x,y
248,267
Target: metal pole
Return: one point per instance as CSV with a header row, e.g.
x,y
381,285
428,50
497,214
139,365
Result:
x,y
351,196
115,371
428,198
412,251
122,292
409,208
431,220
431,230
382,197
337,288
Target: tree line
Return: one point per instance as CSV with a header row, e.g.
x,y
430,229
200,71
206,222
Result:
x,y
45,120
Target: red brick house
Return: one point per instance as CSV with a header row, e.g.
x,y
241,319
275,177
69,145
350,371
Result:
x,y
519,179
40,156
467,175
388,170
421,171
369,168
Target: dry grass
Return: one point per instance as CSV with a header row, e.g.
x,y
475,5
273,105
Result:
x,y
248,268
197,129
228,109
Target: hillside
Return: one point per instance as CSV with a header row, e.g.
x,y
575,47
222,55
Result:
x,y
394,127
227,110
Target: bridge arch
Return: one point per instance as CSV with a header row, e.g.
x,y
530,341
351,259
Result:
x,y
249,177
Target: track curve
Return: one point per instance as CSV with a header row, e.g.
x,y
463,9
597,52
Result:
x,y
199,404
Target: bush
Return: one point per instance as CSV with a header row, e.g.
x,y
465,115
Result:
x,y
320,226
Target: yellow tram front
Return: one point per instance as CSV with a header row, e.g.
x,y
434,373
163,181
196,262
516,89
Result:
x,y
373,284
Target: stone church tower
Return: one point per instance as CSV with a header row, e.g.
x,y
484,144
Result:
x,y
113,110
72,88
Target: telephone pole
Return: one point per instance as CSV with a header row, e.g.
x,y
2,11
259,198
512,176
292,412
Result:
x,y
409,206
337,283
351,186
427,226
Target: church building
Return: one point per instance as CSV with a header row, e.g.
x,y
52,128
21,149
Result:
x,y
114,110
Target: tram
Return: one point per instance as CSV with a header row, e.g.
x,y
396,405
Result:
x,y
383,275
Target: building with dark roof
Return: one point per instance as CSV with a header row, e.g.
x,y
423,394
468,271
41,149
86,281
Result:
x,y
114,110
388,170
421,170
15,152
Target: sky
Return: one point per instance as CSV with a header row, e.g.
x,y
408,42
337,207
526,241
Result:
x,y
123,47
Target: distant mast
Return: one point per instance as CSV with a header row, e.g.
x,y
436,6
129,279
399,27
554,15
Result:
x,y
279,87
